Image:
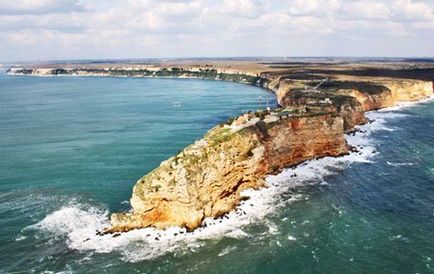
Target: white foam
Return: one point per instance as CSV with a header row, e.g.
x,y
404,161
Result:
x,y
399,237
78,223
227,250
399,164
20,238
291,238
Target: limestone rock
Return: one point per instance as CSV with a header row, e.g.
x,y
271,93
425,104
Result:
x,y
208,180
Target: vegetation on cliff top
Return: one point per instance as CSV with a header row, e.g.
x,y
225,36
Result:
x,y
176,72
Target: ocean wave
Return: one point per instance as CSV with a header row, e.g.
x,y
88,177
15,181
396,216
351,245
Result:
x,y
399,164
78,222
20,238
227,250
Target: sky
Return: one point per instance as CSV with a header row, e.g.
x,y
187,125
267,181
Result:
x,y
39,30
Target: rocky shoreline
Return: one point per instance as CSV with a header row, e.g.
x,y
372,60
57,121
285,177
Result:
x,y
207,179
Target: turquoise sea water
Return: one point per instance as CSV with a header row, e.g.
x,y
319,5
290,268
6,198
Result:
x,y
72,148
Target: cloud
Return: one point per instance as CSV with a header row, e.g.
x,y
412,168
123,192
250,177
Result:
x,y
364,10
18,7
406,10
240,7
150,28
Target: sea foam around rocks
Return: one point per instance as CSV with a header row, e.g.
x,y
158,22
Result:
x,y
77,223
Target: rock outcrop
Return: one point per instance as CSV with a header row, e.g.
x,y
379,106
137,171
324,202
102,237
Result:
x,y
351,99
207,178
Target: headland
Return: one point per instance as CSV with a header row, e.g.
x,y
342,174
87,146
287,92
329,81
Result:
x,y
319,101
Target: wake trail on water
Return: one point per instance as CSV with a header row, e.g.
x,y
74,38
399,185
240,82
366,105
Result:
x,y
77,223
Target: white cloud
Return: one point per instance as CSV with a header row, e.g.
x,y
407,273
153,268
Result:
x,y
407,10
364,10
40,6
239,7
150,28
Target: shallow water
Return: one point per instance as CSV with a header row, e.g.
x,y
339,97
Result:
x,y
73,147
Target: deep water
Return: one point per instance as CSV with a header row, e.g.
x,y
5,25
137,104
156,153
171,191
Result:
x,y
72,148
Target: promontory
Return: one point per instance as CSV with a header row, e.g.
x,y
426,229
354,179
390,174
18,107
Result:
x,y
319,101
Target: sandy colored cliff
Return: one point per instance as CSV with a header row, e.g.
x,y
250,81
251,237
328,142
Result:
x,y
207,178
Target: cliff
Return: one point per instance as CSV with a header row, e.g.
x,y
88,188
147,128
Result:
x,y
351,99
207,178
224,74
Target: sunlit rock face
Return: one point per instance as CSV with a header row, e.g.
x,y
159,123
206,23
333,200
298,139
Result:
x,y
207,178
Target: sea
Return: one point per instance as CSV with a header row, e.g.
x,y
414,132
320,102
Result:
x,y
72,148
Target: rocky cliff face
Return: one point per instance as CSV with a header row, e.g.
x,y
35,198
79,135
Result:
x,y
397,91
208,177
351,100
372,94
233,75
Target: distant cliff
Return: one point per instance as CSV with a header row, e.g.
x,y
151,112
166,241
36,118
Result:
x,y
351,99
232,75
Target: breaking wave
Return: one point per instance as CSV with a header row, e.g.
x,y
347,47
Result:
x,y
78,223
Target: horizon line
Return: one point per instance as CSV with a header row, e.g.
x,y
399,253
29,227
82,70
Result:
x,y
373,58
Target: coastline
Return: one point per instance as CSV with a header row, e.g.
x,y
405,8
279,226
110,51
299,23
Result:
x,y
126,222
158,243
258,80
